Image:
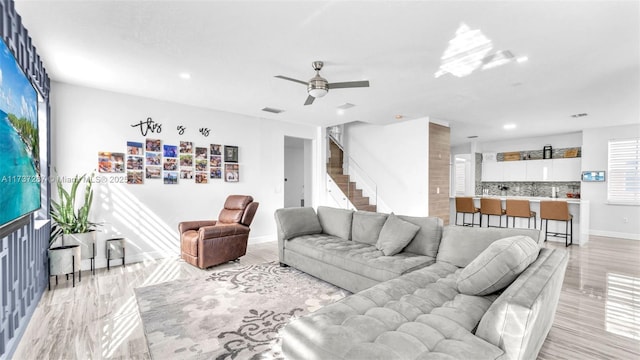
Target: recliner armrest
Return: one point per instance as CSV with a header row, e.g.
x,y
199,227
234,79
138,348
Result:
x,y
194,225
210,232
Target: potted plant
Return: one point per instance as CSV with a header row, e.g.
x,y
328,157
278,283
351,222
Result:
x,y
71,224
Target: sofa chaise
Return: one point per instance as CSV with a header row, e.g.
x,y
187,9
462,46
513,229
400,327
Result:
x,y
421,290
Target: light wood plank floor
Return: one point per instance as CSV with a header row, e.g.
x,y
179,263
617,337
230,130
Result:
x,y
598,316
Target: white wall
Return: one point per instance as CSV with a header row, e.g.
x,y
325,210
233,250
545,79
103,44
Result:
x,y
607,219
396,157
86,121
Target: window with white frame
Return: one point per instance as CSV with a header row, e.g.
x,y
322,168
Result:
x,y
624,171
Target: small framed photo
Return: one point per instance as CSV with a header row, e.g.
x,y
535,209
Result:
x,y
230,154
153,145
215,173
186,147
231,172
134,148
215,149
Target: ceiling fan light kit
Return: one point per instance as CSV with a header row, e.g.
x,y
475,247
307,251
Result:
x,y
318,86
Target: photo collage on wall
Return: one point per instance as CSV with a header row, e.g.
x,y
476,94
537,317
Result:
x,y
153,160
215,161
110,162
186,160
231,167
135,163
170,164
202,175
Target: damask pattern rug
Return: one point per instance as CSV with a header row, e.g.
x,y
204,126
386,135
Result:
x,y
231,314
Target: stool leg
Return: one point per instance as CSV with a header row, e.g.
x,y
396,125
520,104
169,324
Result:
x,y
546,228
123,257
108,258
73,270
49,274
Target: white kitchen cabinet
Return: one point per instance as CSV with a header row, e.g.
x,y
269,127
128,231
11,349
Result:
x,y
539,170
514,171
492,171
567,169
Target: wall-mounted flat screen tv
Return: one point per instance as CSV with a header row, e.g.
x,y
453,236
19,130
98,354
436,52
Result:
x,y
593,175
19,142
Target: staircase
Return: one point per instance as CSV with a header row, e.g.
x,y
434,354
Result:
x,y
348,187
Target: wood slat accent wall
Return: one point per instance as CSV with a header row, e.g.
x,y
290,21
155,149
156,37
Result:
x,y
23,246
439,170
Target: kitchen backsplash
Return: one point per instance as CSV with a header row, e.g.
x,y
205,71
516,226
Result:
x,y
541,189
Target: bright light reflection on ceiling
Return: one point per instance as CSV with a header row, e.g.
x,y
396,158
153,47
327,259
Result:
x,y
469,51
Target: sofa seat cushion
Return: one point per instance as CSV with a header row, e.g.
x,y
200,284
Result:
x,y
420,315
359,258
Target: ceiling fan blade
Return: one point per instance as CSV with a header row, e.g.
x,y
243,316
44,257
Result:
x,y
309,100
305,83
349,84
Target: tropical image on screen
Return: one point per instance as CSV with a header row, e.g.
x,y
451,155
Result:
x,y
19,145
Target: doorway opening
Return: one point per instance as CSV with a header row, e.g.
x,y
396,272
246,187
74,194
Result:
x,y
297,172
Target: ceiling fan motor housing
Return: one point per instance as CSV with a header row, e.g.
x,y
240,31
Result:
x,y
318,86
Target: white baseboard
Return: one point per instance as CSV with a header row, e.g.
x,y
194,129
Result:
x,y
615,234
101,262
262,239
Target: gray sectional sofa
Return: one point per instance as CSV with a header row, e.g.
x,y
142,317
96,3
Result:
x,y
421,290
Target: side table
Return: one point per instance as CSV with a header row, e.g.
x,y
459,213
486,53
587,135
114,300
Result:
x,y
115,250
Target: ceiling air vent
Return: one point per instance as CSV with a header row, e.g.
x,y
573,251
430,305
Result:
x,y
345,106
272,110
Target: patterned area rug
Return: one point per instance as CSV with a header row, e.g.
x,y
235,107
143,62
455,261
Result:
x,y
232,314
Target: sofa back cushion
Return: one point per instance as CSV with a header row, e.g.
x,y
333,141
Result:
x,y
498,265
395,235
427,240
293,222
366,226
461,244
336,222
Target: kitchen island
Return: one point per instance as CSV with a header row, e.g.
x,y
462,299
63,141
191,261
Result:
x,y
579,208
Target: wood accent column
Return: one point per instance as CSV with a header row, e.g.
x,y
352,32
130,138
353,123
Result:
x,y
439,171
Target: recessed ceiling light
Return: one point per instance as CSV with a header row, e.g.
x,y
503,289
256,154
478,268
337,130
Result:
x,y
399,117
185,76
522,59
579,115
509,126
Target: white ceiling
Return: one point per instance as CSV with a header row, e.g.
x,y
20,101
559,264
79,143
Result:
x,y
584,57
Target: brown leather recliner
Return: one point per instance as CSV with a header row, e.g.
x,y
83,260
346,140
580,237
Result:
x,y
211,242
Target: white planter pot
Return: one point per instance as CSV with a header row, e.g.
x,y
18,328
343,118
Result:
x,y
87,242
64,260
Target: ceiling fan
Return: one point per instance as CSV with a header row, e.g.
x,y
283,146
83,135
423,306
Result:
x,y
318,86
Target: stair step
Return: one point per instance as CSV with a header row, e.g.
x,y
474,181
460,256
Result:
x,y
371,208
360,201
